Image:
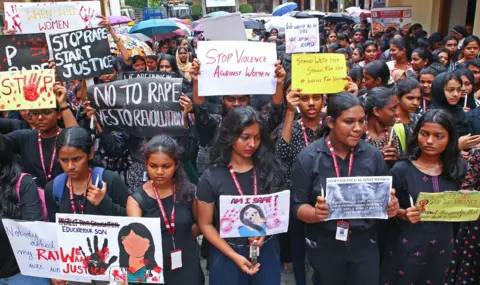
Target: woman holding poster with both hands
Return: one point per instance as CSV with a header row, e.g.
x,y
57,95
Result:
x,y
352,257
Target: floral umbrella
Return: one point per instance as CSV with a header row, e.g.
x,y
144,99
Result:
x,y
134,47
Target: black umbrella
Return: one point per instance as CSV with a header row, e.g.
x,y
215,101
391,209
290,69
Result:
x,y
300,15
337,18
252,24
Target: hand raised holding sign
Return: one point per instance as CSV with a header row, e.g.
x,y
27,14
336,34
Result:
x,y
7,30
350,86
293,99
195,69
60,94
105,23
280,73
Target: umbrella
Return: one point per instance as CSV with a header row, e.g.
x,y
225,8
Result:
x,y
252,24
118,20
183,30
356,11
198,27
177,20
300,15
217,13
194,24
140,37
337,18
134,47
284,8
278,23
154,27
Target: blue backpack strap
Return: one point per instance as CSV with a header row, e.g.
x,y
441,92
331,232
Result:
x,y
59,187
97,172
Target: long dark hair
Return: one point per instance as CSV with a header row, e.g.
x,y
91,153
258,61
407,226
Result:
x,y
76,137
270,170
248,222
337,104
378,69
9,174
378,98
168,146
450,158
142,231
172,61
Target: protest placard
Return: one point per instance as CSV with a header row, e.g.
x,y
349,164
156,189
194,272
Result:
x,y
398,17
21,52
82,54
27,89
35,247
302,35
358,197
449,206
99,247
318,73
143,107
52,17
233,68
224,28
260,215
146,74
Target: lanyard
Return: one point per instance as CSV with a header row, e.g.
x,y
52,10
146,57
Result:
x,y
424,104
84,196
334,157
169,225
239,188
304,131
42,161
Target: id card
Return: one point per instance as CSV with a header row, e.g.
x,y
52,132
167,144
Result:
x,y
176,258
342,231
254,253
145,176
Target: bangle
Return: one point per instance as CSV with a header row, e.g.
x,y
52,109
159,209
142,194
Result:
x,y
61,109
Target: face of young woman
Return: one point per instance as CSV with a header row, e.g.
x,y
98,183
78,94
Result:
x,y
139,65
426,81
45,119
311,105
370,53
73,161
273,33
452,91
135,245
248,142
332,37
410,101
356,56
476,72
369,81
253,216
471,50
358,37
467,87
417,62
164,49
388,114
451,46
184,43
151,64
165,66
234,101
161,168
443,58
183,56
349,127
396,52
432,139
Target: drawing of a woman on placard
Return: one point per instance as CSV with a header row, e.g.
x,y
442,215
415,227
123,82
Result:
x,y
253,220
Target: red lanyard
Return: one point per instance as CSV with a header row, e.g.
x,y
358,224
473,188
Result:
x,y
84,198
169,225
424,104
52,160
334,157
304,131
239,188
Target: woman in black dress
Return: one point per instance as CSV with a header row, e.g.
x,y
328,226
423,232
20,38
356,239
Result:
x,y
420,253
170,196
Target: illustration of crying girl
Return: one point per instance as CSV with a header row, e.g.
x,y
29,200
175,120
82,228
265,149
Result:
x,y
137,256
253,220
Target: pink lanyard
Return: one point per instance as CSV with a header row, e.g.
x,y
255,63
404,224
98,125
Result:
x,y
334,157
237,184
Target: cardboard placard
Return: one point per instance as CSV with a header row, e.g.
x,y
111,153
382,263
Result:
x,y
302,35
23,52
146,74
449,206
224,28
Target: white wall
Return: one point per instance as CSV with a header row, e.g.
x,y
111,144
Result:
x,y
458,13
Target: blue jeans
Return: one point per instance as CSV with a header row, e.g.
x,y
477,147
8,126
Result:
x,y
19,279
224,271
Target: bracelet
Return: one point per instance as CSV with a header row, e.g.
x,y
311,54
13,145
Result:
x,y
61,109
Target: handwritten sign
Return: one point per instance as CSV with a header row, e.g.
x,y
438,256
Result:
x,y
21,52
318,73
233,68
99,247
144,107
147,74
302,35
449,206
358,197
47,17
35,247
27,89
260,215
82,54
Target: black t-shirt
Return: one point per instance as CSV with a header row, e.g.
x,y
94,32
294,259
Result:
x,y
30,210
26,145
217,181
113,204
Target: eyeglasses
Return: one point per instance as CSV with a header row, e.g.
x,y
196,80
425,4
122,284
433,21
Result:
x,y
164,66
45,113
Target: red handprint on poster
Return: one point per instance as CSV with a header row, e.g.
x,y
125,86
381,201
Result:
x,y
13,14
228,220
87,14
30,87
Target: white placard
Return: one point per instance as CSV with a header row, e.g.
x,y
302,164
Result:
x,y
36,249
220,3
302,35
102,247
358,197
224,28
52,17
249,216
236,68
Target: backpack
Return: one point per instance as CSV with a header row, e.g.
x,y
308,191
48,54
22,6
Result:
x,y
41,194
401,134
60,180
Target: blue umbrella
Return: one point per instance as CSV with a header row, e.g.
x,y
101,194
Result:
x,y
154,27
217,13
284,8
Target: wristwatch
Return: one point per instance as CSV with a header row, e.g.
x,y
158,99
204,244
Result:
x,y
61,109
